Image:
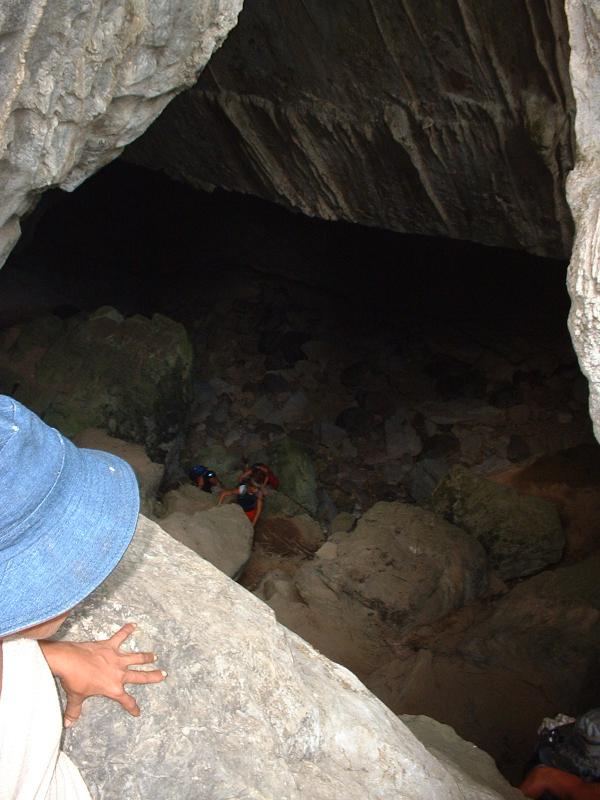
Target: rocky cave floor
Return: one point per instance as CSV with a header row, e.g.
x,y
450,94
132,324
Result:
x,y
386,407
370,392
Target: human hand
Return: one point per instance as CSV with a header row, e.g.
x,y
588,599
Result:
x,y
87,669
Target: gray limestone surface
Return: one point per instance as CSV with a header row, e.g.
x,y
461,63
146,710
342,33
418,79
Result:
x,y
402,566
451,119
83,78
583,193
222,535
248,710
399,568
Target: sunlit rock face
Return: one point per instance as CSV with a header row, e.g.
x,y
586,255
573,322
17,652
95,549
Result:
x,y
451,119
584,195
80,80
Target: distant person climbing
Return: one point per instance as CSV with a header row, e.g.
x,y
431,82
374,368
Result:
x,y
567,759
260,474
249,497
204,478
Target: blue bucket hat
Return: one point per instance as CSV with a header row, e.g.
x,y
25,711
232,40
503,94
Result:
x,y
67,515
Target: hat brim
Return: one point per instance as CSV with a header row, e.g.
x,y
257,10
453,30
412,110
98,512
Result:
x,y
79,534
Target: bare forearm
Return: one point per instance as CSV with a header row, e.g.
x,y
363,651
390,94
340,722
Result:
x,y
56,655
224,495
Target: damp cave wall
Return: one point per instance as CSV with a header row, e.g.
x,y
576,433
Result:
x,y
440,118
583,192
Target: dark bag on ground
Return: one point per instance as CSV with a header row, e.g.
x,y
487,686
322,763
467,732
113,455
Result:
x,y
574,747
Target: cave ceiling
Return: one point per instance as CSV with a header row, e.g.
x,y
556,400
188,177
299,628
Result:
x,y
439,118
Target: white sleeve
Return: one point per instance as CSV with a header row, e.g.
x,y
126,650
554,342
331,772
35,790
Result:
x,y
30,730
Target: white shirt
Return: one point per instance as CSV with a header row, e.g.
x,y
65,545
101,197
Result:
x,y
32,767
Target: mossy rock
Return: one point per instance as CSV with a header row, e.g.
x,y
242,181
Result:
x,y
293,465
521,535
279,504
130,376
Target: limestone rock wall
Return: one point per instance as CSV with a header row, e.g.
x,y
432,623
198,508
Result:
x,y
583,189
249,709
81,79
445,118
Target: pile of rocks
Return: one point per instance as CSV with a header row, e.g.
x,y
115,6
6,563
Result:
x,y
414,603
380,411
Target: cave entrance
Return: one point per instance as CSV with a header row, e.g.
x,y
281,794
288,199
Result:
x,y
396,324
387,360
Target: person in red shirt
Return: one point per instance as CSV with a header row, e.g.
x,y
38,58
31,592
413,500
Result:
x,y
261,474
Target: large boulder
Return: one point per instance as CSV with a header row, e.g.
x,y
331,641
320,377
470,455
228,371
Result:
x,y
289,535
570,479
521,535
402,563
278,504
221,535
494,671
248,709
332,109
186,499
401,567
102,370
82,80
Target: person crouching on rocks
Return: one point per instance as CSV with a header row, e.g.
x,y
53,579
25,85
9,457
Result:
x,y
204,478
67,516
566,765
249,497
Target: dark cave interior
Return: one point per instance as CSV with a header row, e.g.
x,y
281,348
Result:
x,y
141,242
133,238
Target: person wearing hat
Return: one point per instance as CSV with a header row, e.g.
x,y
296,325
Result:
x,y
67,515
205,478
569,760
